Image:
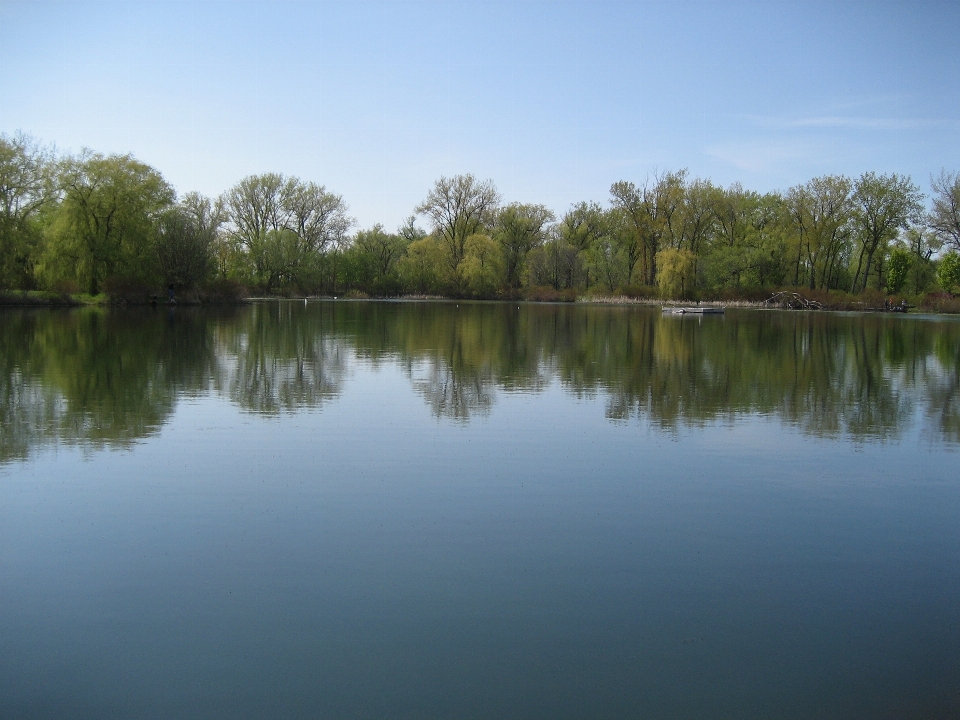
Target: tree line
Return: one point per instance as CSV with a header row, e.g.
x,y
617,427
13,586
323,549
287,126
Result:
x,y
97,223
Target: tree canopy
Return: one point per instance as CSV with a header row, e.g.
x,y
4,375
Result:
x,y
92,222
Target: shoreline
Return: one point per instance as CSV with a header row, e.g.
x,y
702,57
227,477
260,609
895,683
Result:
x,y
23,299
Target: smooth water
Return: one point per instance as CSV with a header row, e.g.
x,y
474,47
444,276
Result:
x,y
442,510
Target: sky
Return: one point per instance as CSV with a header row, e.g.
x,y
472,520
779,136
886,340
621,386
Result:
x,y
554,101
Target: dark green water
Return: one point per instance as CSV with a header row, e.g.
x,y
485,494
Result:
x,y
425,510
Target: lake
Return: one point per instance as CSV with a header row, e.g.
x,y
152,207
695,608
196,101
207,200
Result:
x,y
478,510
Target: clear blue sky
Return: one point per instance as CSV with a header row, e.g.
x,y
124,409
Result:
x,y
552,100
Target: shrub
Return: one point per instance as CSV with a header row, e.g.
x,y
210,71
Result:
x,y
940,302
222,290
545,293
127,290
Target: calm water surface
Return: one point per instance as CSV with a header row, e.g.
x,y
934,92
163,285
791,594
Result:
x,y
429,510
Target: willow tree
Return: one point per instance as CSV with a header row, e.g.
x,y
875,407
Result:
x,y
106,225
27,186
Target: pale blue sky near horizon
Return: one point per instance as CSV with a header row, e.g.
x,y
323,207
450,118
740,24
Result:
x,y
552,100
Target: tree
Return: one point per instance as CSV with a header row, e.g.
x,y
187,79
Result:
x,y
379,252
317,217
184,250
675,272
284,225
519,229
697,221
651,212
944,219
580,229
820,211
583,225
734,215
459,207
608,260
632,231
410,232
255,208
27,186
556,263
420,267
187,240
482,265
923,245
881,206
948,272
106,224
897,269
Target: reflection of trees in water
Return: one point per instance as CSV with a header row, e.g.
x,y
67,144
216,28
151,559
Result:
x,y
279,358
452,394
456,355
942,383
828,375
95,377
29,414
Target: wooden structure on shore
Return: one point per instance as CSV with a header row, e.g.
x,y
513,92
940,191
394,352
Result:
x,y
791,301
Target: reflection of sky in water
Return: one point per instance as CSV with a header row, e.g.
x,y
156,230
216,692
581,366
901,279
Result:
x,y
371,559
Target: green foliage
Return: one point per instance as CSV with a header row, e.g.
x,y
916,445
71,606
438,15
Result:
x,y
821,214
91,221
519,229
609,263
377,253
948,272
557,264
923,245
106,224
881,207
281,227
897,269
184,249
420,268
27,191
482,265
459,207
649,218
675,272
